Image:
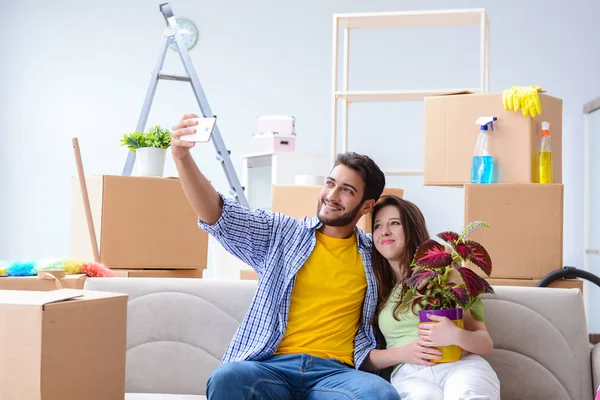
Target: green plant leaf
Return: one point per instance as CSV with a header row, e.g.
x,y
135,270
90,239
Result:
x,y
408,298
156,137
477,310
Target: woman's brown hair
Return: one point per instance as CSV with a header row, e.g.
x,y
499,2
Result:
x,y
415,233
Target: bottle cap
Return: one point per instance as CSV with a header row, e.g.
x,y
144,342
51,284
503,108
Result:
x,y
545,128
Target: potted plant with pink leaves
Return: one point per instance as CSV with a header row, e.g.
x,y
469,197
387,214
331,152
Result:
x,y
443,283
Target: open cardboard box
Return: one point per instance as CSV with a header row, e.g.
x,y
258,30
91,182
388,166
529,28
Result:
x,y
38,283
451,134
139,223
62,345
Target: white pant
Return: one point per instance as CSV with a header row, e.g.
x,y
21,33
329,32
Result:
x,y
470,378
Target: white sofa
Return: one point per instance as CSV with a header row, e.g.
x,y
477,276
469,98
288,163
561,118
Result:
x,y
178,330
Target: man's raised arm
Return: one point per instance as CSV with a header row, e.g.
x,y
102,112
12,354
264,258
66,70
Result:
x,y
203,197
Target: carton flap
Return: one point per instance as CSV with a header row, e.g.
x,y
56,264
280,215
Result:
x,y
35,298
454,93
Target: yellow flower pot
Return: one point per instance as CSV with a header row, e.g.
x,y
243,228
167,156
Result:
x,y
449,353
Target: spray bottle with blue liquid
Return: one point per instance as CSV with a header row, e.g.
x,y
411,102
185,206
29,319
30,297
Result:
x,y
483,163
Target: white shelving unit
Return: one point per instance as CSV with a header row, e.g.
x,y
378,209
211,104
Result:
x,y
260,171
388,20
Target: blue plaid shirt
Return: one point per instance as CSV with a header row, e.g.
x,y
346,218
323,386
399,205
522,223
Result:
x,y
277,246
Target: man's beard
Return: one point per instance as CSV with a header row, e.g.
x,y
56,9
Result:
x,y
345,219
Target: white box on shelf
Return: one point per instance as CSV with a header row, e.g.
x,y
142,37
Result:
x,y
274,133
260,171
271,142
281,124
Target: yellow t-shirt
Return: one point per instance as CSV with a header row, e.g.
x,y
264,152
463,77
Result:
x,y
326,303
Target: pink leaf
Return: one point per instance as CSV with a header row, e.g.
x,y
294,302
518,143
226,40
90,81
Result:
x,y
487,287
480,256
474,283
431,254
460,295
463,250
419,277
448,236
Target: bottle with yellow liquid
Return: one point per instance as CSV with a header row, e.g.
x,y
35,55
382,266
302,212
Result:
x,y
545,155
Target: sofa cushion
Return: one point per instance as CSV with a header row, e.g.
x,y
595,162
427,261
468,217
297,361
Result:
x,y
541,346
177,329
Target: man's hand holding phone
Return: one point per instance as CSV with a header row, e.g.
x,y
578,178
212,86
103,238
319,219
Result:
x,y
191,129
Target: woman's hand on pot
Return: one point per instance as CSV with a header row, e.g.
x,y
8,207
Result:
x,y
418,352
443,332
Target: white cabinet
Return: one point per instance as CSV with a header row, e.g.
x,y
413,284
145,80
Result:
x,y
262,170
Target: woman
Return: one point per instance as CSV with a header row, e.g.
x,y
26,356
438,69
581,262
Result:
x,y
398,229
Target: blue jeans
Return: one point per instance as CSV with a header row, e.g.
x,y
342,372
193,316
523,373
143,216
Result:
x,y
296,376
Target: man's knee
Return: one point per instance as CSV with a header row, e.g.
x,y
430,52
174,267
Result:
x,y
379,388
225,374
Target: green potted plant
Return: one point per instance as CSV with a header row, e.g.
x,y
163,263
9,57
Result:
x,y
150,149
442,283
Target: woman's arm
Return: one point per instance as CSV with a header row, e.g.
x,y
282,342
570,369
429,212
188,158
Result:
x,y
474,338
381,359
416,352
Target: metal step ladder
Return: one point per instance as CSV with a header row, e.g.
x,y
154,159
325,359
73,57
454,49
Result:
x,y
172,35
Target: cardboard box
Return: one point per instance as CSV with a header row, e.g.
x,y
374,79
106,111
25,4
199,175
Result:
x,y
525,238
299,201
559,284
158,273
248,275
38,284
62,344
140,222
451,135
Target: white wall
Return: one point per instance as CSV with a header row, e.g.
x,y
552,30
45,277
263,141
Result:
x,y
82,68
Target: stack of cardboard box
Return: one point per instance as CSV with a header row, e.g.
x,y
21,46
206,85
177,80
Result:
x,y
525,240
145,227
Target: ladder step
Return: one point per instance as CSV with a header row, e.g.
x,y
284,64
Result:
x,y
174,76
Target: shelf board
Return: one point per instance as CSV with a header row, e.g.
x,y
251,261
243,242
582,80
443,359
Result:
x,y
386,96
402,172
411,19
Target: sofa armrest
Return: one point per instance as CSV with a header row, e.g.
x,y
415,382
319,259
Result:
x,y
596,366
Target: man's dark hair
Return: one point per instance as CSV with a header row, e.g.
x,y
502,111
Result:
x,y
369,171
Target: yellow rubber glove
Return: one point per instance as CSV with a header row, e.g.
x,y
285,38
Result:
x,y
525,98
510,99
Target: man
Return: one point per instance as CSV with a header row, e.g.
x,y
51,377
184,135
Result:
x,y
308,330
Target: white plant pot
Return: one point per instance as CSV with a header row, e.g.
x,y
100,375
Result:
x,y
150,161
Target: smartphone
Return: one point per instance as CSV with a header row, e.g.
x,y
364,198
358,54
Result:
x,y
204,130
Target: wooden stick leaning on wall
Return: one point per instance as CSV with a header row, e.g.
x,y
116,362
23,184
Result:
x,y
86,201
